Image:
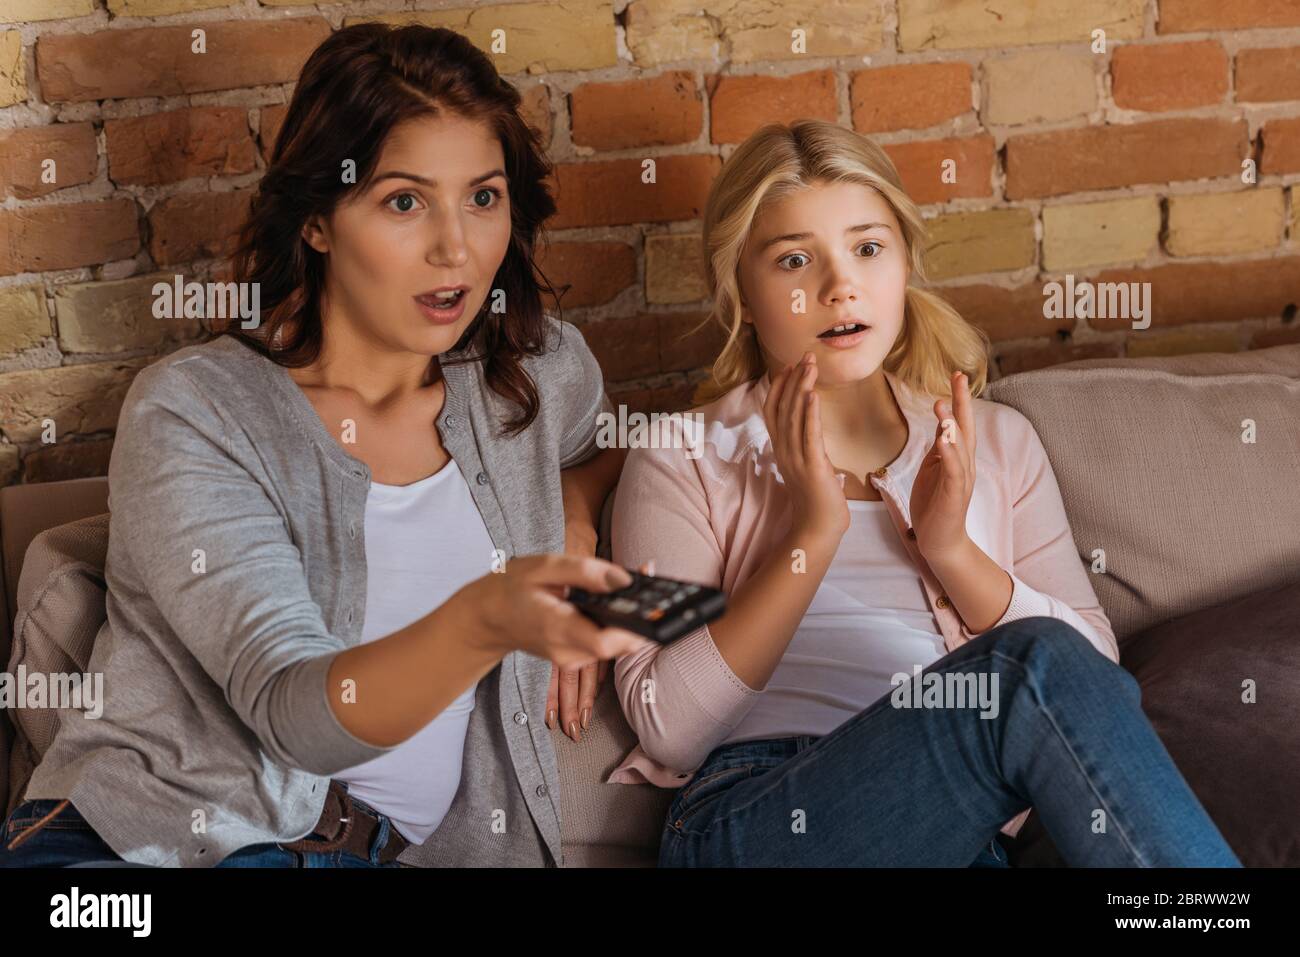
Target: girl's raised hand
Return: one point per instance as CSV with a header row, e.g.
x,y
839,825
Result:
x,y
942,490
793,417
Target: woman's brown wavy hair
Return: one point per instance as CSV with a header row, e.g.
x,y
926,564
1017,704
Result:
x,y
354,89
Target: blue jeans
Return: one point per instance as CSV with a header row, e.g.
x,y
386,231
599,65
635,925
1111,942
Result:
x,y
933,786
68,839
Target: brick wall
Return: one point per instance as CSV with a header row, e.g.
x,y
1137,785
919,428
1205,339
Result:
x,y
1126,163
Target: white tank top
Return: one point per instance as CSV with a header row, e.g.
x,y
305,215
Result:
x,y
424,541
868,621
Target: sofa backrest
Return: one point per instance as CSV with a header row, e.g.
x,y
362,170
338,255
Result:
x,y
1178,471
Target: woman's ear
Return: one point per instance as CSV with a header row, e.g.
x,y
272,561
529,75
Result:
x,y
313,234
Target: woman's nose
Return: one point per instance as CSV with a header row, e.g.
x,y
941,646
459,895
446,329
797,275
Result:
x,y
447,243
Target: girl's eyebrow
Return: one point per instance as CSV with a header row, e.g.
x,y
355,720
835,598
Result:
x,y
398,174
798,237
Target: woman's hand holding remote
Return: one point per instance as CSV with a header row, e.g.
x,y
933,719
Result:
x,y
523,609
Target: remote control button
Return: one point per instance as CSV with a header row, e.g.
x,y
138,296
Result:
x,y
622,605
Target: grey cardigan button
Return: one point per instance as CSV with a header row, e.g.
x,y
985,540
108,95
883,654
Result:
x,y
481,478
352,530
541,790
449,422
521,718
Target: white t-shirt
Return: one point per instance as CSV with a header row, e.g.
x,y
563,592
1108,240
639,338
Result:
x,y
424,541
868,621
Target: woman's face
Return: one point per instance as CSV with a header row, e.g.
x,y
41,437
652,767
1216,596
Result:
x,y
827,255
436,214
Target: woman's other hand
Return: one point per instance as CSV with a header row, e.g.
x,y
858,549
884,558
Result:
x,y
942,489
793,415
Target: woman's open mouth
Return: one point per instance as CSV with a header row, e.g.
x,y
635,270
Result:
x,y
845,336
443,308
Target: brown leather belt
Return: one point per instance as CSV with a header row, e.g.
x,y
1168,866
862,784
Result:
x,y
345,825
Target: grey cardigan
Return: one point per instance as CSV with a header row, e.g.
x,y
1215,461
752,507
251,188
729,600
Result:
x,y
236,570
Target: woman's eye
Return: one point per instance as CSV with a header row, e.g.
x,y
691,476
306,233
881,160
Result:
x,y
405,202
874,245
794,256
494,196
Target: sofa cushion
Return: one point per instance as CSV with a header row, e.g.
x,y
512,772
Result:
x,y
1221,688
60,610
1239,751
1154,473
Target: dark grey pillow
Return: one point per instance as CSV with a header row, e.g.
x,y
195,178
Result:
x,y
1241,760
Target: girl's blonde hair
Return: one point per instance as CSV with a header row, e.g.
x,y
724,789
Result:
x,y
779,160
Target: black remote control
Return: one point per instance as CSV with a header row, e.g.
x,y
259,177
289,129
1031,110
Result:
x,y
661,609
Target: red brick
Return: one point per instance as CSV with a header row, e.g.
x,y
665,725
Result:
x,y
1265,76
614,116
612,193
1282,336
674,397
683,346
1107,157
1005,313
157,61
1187,16
1169,76
1040,357
166,147
921,167
912,96
67,235
1211,291
595,272
739,105
626,348
1281,147
196,226
67,460
22,151
272,117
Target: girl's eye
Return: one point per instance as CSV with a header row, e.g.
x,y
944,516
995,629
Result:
x,y
402,207
492,192
877,246
793,256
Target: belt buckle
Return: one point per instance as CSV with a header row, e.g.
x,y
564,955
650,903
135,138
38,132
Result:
x,y
345,818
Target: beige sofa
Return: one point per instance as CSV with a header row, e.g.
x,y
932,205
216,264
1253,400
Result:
x,y
1158,479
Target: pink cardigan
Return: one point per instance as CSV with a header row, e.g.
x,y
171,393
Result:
x,y
715,518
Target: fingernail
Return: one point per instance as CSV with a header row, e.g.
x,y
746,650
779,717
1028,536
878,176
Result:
x,y
550,719
617,577
586,718
650,567
573,731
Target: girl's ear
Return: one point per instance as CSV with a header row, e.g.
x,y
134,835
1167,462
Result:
x,y
313,234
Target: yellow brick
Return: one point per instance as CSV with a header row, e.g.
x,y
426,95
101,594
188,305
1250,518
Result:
x,y
25,11
1039,86
674,269
23,319
746,31
1180,343
968,24
13,75
1090,234
539,37
160,8
85,397
1217,224
115,316
992,240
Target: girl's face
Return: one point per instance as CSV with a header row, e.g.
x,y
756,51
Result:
x,y
436,214
828,255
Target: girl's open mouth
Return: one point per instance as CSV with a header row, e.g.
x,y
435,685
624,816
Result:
x,y
845,336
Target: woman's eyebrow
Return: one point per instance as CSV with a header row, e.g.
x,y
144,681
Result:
x,y
798,237
398,174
